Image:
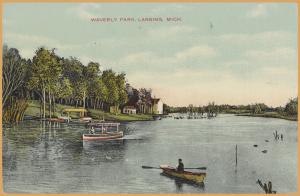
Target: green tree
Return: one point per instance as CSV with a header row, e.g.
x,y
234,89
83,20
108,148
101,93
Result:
x,y
12,73
102,93
145,100
14,70
109,79
256,109
121,83
91,74
72,69
46,69
65,89
92,70
166,109
97,92
79,92
291,108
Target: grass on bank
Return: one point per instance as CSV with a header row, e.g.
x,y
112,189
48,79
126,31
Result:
x,y
99,114
271,115
34,110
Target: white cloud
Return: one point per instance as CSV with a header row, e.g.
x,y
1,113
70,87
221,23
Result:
x,y
273,57
104,63
257,11
170,32
27,53
86,59
146,61
276,52
267,38
149,59
140,57
196,52
27,44
85,10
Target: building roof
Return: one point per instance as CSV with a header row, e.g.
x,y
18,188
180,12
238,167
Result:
x,y
155,100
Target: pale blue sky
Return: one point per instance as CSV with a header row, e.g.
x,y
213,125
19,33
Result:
x,y
248,56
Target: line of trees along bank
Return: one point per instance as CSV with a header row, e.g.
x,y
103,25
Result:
x,y
290,109
68,81
52,79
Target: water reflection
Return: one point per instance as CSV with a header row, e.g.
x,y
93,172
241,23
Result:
x,y
179,183
104,151
55,158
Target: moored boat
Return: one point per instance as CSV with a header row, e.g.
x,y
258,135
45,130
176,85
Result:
x,y
108,131
195,177
56,120
86,119
103,136
65,118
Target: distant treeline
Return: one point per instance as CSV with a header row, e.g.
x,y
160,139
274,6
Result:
x,y
290,109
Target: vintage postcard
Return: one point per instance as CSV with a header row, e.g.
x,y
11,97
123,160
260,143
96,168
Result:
x,y
155,98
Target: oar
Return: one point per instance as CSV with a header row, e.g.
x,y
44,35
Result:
x,y
149,167
203,168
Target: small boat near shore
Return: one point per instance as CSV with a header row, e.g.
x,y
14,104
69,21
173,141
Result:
x,y
103,136
59,120
195,177
108,131
86,119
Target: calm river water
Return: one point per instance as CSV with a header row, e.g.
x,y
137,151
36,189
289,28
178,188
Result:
x,y
38,158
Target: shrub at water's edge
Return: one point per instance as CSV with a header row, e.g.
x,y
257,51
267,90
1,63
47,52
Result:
x,y
289,112
14,78
271,115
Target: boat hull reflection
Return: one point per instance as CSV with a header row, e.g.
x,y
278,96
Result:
x,y
180,182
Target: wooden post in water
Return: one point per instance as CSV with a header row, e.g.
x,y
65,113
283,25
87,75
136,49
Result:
x,y
236,157
267,188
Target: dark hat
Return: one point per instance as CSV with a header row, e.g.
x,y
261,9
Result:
x,y
179,159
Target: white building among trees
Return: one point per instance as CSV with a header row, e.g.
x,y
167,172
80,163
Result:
x,y
157,106
129,110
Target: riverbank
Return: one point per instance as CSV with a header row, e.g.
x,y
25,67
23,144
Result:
x,y
33,110
270,115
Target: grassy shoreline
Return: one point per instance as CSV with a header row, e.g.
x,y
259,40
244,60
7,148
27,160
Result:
x,y
270,115
33,110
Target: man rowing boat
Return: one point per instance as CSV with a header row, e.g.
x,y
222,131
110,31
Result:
x,y
180,167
